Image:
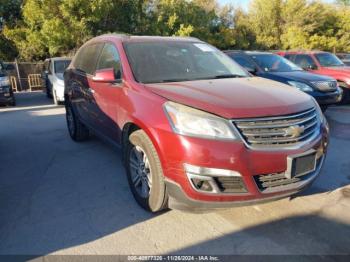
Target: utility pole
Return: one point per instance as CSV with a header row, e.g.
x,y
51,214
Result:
x,y
18,74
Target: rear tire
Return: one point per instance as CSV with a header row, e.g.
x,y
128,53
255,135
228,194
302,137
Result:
x,y
324,108
55,97
13,102
145,173
77,130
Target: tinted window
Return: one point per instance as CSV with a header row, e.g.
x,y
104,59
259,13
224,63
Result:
x,y
274,63
327,59
87,57
305,61
175,61
110,59
243,61
289,57
61,65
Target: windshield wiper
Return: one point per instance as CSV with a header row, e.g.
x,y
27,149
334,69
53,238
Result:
x,y
175,80
228,76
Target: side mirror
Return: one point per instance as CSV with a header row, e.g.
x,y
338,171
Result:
x,y
310,67
106,76
251,70
9,67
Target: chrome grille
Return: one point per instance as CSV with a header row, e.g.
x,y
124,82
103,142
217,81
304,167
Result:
x,y
325,86
281,131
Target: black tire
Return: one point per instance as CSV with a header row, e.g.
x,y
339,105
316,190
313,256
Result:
x,y
77,130
55,101
48,88
346,93
13,102
157,198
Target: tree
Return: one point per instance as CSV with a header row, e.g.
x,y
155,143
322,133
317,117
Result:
x,y
343,2
10,14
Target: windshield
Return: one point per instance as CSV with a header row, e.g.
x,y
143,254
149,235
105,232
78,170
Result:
x,y
61,65
170,61
327,59
274,63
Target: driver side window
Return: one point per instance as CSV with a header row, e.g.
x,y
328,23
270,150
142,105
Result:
x,y
109,58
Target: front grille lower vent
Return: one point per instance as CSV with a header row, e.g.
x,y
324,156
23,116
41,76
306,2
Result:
x,y
230,184
281,131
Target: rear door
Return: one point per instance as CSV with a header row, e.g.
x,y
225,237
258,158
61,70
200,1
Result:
x,y
84,68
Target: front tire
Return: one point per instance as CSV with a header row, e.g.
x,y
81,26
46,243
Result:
x,y
324,108
346,93
145,173
77,130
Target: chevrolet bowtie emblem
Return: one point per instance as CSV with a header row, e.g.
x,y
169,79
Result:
x,y
294,131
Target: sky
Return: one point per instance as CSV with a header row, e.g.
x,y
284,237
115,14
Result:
x,y
245,3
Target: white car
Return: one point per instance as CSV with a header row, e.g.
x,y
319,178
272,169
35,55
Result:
x,y
53,76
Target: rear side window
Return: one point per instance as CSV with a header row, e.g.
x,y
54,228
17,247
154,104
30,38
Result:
x,y
87,58
109,58
304,61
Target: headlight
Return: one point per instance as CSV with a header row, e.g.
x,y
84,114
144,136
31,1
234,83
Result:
x,y
320,114
4,81
301,86
192,122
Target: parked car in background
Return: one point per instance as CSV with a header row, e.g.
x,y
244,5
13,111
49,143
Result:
x,y
323,63
197,131
268,65
53,77
345,58
6,93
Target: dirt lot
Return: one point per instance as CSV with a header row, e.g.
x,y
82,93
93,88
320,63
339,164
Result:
x,y
61,197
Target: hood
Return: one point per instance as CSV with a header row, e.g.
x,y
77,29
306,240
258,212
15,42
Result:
x,y
302,76
236,97
338,72
339,68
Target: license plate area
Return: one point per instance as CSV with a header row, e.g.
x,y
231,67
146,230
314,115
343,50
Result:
x,y
299,165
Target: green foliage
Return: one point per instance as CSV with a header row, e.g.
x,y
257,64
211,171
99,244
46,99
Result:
x,y
36,29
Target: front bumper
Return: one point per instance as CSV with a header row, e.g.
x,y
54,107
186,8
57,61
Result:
x,y
176,150
180,201
328,98
59,89
6,97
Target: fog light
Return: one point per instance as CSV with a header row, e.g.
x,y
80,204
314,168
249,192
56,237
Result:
x,y
202,185
215,180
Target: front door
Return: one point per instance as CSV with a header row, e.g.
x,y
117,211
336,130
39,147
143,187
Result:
x,y
108,94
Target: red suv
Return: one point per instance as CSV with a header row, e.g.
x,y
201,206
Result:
x,y
323,63
196,130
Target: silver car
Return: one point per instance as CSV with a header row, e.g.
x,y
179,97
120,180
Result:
x,y
53,76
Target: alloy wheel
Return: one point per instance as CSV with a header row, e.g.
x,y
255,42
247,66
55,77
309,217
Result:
x,y
70,121
141,175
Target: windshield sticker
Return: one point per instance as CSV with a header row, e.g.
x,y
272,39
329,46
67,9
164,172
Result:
x,y
205,48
